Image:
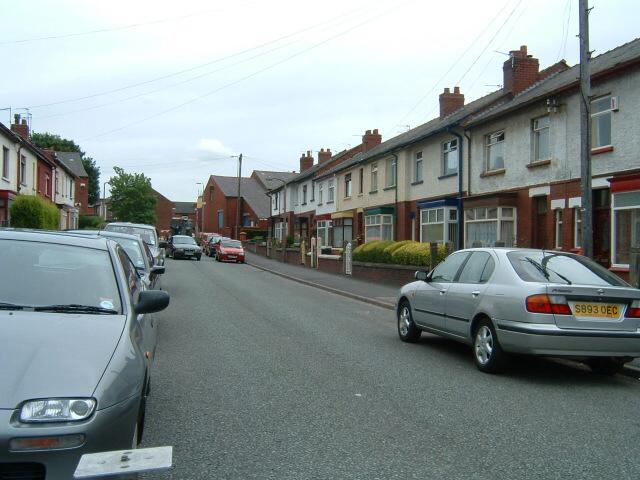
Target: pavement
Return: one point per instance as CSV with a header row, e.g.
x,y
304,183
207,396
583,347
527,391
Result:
x,y
260,377
373,293
369,292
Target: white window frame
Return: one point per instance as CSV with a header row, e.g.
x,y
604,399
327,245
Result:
x,y
378,220
5,162
320,192
448,149
418,166
361,178
536,134
558,216
614,227
595,115
279,230
577,227
374,177
304,194
449,218
325,227
348,185
23,170
331,191
491,141
500,217
392,173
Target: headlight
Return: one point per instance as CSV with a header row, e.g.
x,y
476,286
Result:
x,y
57,410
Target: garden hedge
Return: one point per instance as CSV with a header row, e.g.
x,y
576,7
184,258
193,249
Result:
x,y
406,252
31,211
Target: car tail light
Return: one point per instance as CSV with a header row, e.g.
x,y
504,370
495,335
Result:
x,y
544,303
633,311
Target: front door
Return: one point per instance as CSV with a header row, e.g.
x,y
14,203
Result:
x,y
602,227
539,226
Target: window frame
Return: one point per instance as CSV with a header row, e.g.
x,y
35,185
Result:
x,y
5,163
418,166
331,191
23,170
374,177
500,217
391,179
347,185
320,192
380,223
489,144
361,184
614,225
608,111
558,220
304,194
577,227
448,149
447,222
536,133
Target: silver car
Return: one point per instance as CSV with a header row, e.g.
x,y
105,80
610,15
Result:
x,y
78,346
147,233
509,300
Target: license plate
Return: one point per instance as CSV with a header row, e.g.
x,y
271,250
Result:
x,y
188,254
231,257
597,310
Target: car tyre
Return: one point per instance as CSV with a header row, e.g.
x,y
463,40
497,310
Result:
x,y
605,366
198,257
487,352
408,331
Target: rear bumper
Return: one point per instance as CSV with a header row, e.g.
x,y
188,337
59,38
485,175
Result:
x,y
539,339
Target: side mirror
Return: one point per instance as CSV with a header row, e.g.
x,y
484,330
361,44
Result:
x,y
157,270
422,275
162,244
151,301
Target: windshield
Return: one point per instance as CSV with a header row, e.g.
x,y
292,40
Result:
x,y
552,267
184,240
132,247
52,274
231,243
148,235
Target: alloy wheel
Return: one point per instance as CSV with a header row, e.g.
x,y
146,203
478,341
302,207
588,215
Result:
x,y
483,345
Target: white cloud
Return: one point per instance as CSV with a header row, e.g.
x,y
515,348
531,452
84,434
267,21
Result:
x,y
206,148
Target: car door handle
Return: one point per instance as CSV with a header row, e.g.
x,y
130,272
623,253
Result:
x,y
475,294
442,292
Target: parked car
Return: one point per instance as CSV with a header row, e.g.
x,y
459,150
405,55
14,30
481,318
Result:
x,y
508,300
230,251
148,234
80,339
210,245
183,246
138,252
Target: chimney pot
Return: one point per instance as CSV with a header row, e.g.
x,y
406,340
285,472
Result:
x,y
375,131
370,140
446,90
450,102
456,89
520,71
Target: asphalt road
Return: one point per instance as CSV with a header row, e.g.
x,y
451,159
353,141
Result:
x,y
259,377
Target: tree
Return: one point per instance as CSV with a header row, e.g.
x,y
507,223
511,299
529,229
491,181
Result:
x,y
132,198
54,142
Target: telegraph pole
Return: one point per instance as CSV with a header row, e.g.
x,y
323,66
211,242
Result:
x,y
585,130
238,205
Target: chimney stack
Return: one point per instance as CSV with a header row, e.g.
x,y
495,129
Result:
x,y
306,161
520,71
324,155
20,126
371,139
450,102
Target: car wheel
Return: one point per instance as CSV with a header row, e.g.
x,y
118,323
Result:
x,y
407,330
605,366
487,353
198,257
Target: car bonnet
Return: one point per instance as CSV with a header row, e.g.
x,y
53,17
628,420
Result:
x,y
48,355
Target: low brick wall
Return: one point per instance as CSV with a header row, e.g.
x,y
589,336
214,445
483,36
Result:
x,y
330,265
383,273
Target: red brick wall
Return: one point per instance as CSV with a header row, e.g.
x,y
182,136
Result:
x,y
82,195
44,170
330,265
393,276
164,212
213,201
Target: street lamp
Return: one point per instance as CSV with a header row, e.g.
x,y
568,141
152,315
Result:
x,y
284,189
239,157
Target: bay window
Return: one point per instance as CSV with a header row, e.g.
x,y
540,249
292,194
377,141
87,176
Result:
x,y
323,227
342,231
626,226
439,225
488,225
378,227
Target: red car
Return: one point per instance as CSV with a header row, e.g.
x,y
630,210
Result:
x,y
228,250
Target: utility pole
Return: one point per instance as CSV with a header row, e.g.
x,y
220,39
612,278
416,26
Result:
x,y
238,205
585,130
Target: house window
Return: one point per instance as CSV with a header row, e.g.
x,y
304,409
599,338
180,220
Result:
x,y
558,228
361,183
626,226
439,225
494,151
323,227
275,200
450,157
313,192
378,227
5,162
246,220
320,193
57,182
342,231
220,219
23,170
347,185
211,194
417,168
485,226
601,122
331,191
541,138
577,227
304,195
295,195
392,171
281,228
374,177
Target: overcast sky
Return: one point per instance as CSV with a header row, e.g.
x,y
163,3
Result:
x,y
174,89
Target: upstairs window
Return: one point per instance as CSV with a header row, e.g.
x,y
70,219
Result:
x,y
601,122
392,172
304,195
494,151
347,185
23,170
320,193
5,162
417,168
361,184
331,191
374,177
541,138
450,157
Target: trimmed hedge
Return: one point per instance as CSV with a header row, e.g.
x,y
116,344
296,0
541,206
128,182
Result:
x,y
406,252
90,222
31,211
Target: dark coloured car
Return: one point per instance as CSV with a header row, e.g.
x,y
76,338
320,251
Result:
x,y
183,246
79,340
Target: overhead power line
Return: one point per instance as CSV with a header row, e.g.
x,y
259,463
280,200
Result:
x,y
251,75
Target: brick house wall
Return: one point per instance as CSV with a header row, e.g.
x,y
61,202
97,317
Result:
x,y
82,196
164,212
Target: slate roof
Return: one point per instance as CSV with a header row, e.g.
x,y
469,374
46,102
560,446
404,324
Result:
x,y
629,52
251,191
263,175
73,162
184,208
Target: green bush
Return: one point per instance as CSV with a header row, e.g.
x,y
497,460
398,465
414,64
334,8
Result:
x,y
388,251
416,253
90,222
372,251
30,211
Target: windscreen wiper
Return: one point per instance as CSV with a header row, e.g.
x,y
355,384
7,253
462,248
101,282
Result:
x,y
75,308
11,306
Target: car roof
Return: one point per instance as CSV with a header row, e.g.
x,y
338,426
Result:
x,y
50,236
182,236
130,224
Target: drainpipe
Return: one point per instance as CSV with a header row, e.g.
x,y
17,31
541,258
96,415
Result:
x,y
395,217
460,239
